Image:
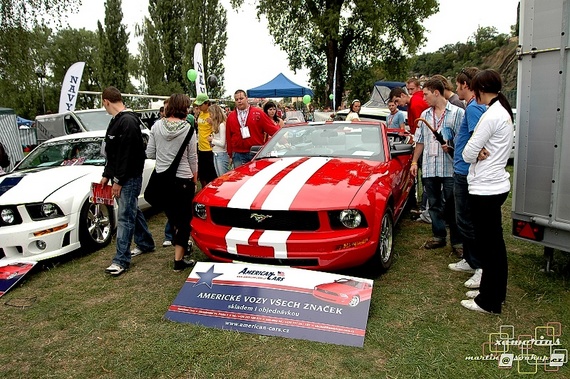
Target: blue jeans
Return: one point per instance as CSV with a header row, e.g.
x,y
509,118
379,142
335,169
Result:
x,y
131,222
464,219
439,192
221,162
241,158
168,231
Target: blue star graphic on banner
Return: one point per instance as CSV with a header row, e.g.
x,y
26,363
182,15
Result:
x,y
206,277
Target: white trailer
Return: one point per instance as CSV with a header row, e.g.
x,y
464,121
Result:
x,y
541,193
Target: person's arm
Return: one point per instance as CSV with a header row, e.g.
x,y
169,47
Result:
x,y
220,139
151,145
418,150
475,148
192,153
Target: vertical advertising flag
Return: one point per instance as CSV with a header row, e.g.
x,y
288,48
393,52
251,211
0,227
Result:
x,y
199,67
334,85
70,87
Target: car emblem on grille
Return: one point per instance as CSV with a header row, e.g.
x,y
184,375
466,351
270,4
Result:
x,y
258,217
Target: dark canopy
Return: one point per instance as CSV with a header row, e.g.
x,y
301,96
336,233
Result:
x,y
280,86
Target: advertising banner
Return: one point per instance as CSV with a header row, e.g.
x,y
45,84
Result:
x,y
11,273
275,301
199,67
70,87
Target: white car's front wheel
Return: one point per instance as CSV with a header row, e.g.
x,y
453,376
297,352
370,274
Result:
x,y
95,226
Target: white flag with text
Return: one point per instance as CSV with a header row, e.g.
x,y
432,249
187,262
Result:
x,y
199,67
70,87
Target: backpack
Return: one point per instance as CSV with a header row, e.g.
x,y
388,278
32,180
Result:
x,y
4,158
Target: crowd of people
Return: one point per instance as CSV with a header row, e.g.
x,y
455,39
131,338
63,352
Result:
x,y
201,140
463,175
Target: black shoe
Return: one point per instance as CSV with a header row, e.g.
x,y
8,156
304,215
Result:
x,y
434,244
183,264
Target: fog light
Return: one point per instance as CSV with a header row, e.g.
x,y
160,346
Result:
x,y
41,244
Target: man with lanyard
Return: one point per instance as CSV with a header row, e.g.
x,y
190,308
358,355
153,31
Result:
x,y
471,262
437,168
125,153
395,119
246,126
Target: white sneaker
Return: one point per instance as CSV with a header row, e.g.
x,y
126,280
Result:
x,y
462,266
475,280
138,251
114,269
472,294
166,243
472,306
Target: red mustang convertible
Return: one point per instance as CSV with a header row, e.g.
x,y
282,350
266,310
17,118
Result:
x,y
321,196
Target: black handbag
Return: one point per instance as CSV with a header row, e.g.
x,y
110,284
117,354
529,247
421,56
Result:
x,y
160,184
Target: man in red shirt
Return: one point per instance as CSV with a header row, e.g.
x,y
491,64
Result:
x,y
414,99
246,126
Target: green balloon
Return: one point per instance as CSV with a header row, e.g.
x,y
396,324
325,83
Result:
x,y
192,74
331,96
307,99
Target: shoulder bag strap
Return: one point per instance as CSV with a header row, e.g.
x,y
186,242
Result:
x,y
176,161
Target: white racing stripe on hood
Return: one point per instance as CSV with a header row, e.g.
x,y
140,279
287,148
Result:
x,y
237,236
282,196
277,239
246,194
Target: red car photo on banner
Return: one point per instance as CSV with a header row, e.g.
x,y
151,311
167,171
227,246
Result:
x,y
344,291
11,273
321,196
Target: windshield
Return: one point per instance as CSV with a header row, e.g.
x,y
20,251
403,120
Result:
x,y
340,140
79,151
94,120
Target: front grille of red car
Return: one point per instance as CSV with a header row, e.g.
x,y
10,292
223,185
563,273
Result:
x,y
263,260
265,220
327,292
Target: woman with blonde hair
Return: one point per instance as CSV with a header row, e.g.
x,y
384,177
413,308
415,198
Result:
x,y
218,139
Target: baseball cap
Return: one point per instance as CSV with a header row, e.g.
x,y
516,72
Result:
x,y
201,98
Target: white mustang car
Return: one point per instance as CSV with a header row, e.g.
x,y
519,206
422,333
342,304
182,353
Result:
x,y
44,202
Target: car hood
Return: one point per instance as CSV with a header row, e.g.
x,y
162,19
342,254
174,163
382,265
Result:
x,y
29,186
335,287
292,184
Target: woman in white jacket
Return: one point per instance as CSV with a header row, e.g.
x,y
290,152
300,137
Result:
x,y
488,151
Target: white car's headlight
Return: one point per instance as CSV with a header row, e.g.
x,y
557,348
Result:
x,y
200,210
42,211
49,209
350,218
8,216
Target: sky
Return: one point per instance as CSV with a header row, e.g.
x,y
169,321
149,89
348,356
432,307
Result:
x,y
252,58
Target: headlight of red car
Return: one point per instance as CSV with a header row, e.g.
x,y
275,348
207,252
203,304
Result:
x,y
200,211
351,218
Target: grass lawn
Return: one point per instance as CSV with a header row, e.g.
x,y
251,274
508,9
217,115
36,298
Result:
x,y
68,319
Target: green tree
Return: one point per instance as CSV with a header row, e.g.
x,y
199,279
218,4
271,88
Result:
x,y
114,53
168,38
77,45
213,36
29,13
22,50
357,34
